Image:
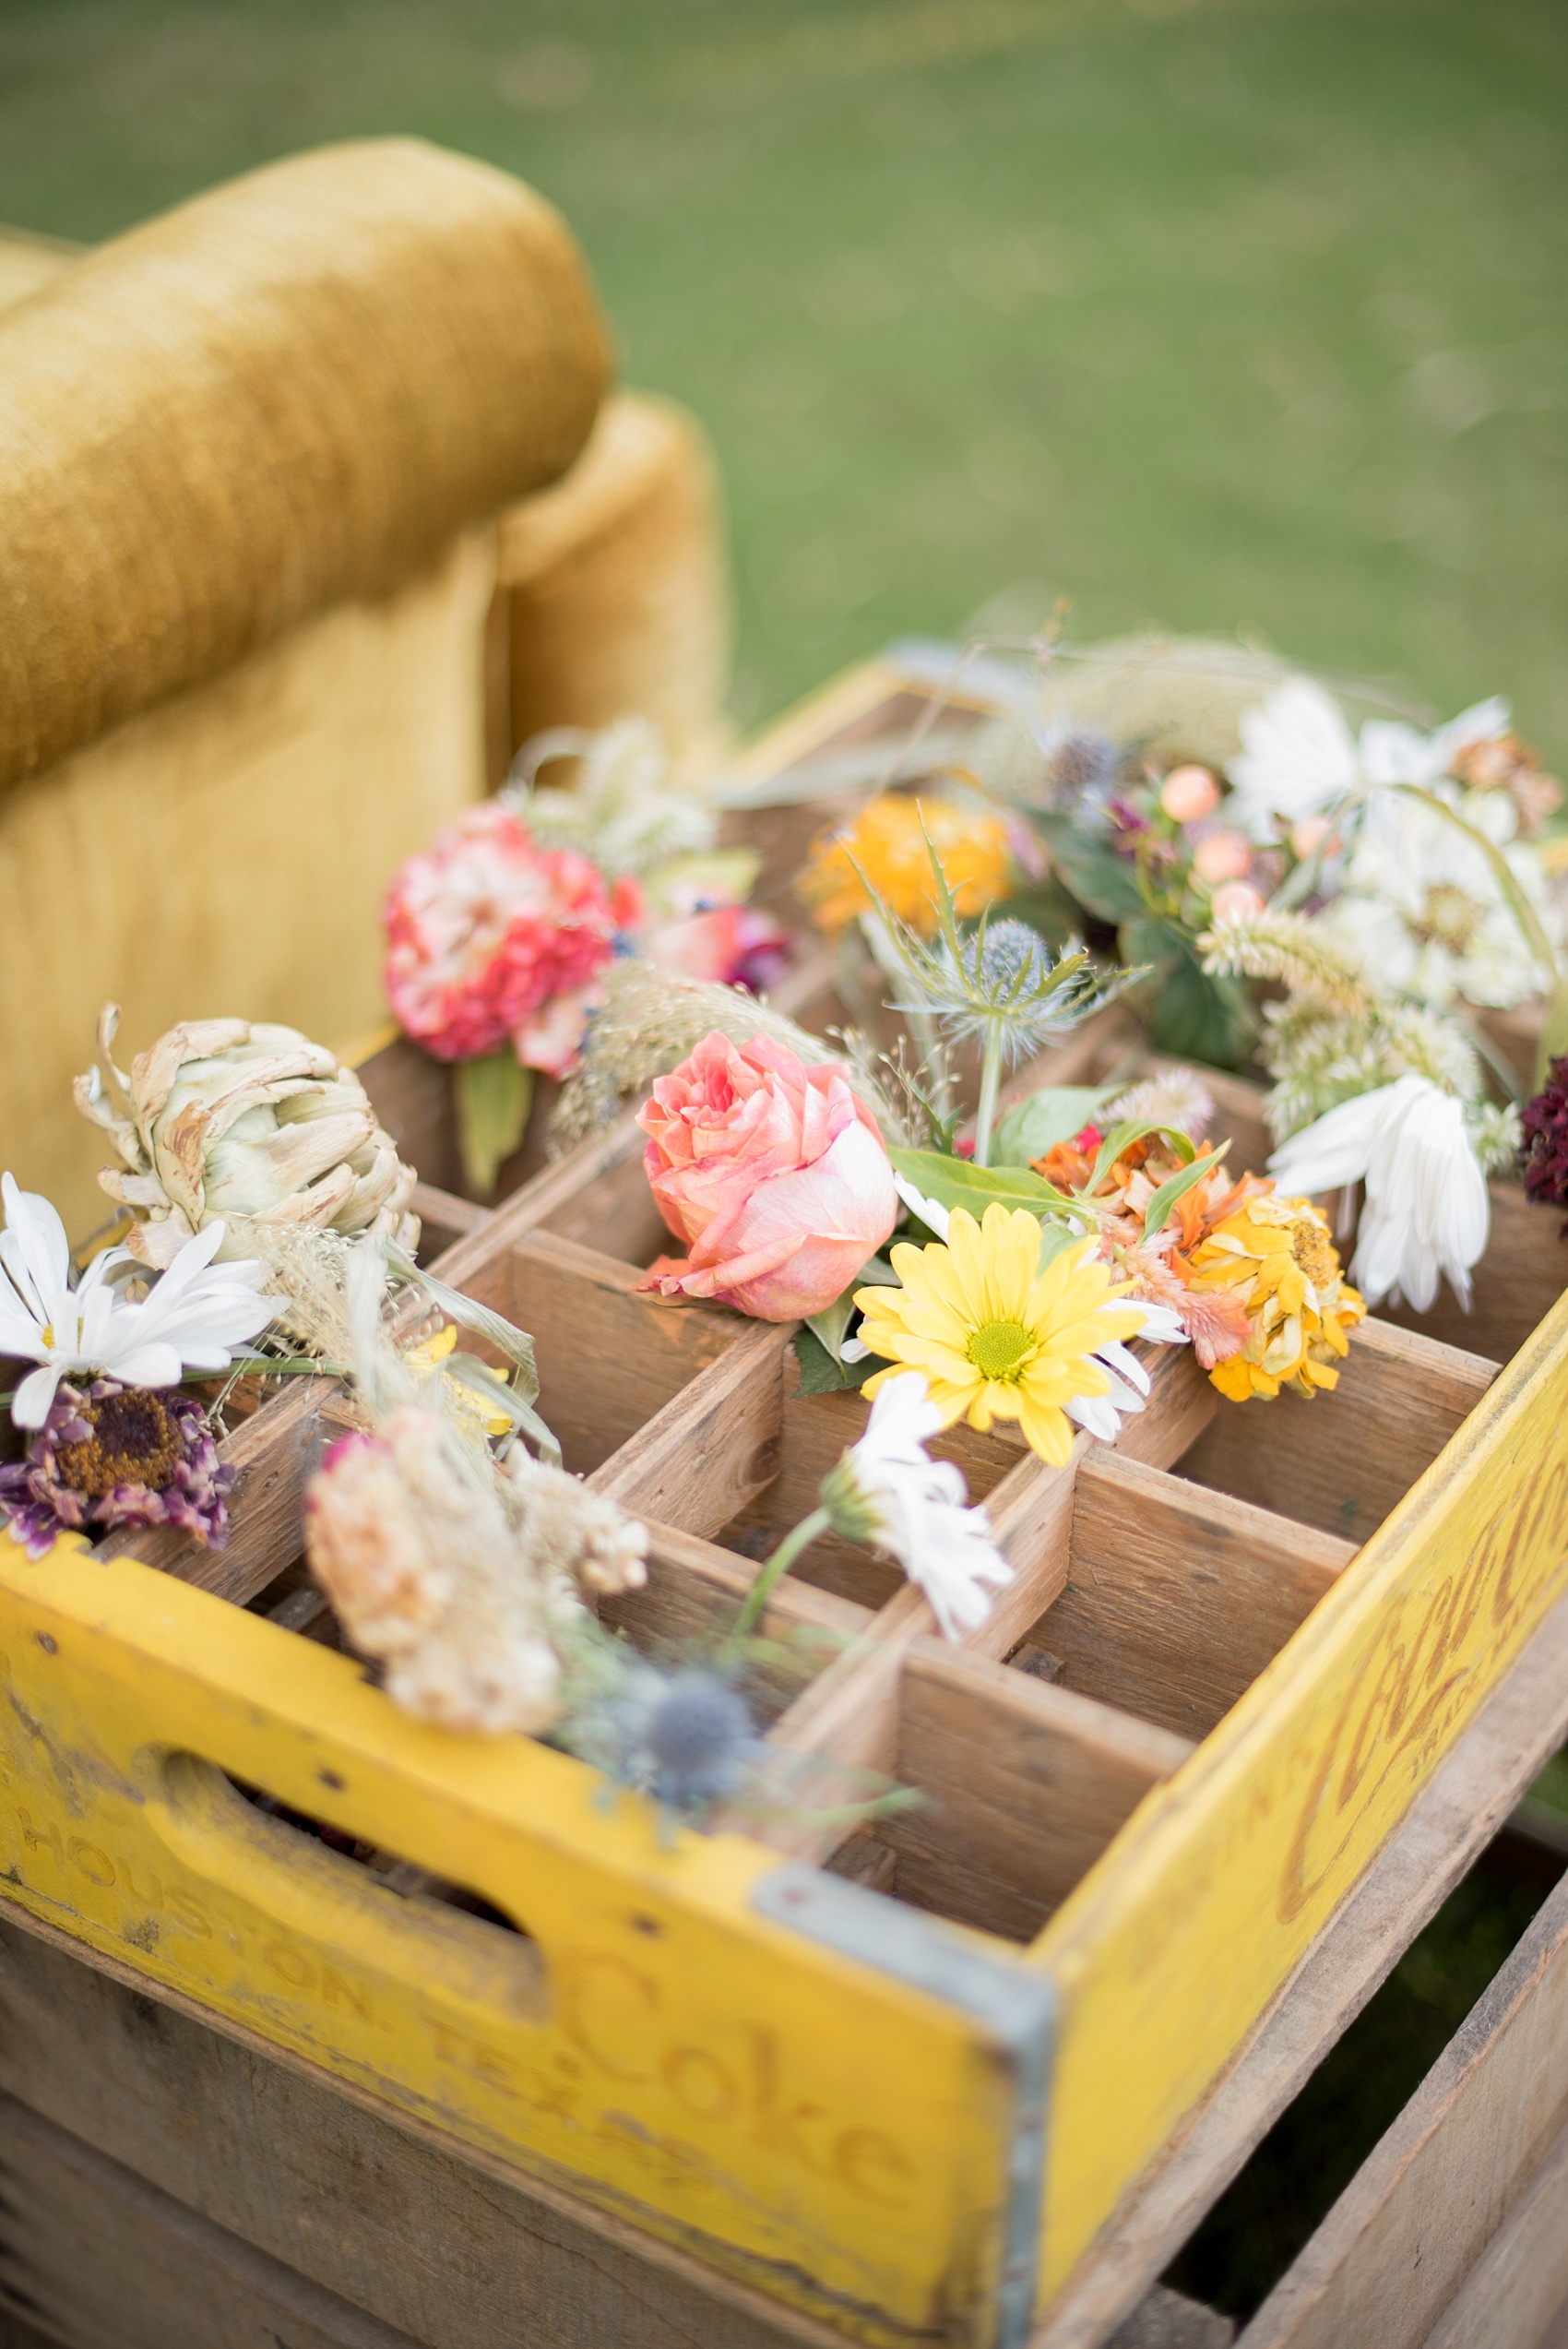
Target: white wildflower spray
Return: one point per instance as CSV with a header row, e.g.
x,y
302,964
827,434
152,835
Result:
x,y
889,1495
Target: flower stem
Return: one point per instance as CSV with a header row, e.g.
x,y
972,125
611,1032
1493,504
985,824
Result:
x,y
990,1080
774,1570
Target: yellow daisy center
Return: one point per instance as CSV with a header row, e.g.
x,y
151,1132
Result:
x,y
999,1349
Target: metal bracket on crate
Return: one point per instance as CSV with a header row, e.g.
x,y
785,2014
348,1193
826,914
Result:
x,y
1016,2007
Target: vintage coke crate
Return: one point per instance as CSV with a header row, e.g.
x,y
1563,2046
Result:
x,y
898,2079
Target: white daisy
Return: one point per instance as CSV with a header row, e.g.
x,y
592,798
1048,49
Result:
x,y
1421,909
1392,752
887,1491
194,1316
1299,756
1427,1210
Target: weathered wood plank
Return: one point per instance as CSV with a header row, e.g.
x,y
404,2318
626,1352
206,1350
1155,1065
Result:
x,y
1343,1460
1024,1784
1408,2229
455,2248
1518,2292
1456,1814
108,2262
714,1443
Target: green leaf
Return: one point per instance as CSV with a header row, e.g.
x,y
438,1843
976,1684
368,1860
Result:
x,y
954,1182
1122,1138
1191,1015
1103,883
494,1096
830,1325
1039,1123
1177,1187
820,1374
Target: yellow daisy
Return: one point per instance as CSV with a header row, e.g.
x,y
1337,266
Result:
x,y
994,1338
1277,1256
886,841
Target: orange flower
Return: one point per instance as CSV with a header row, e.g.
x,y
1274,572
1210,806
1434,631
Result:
x,y
888,841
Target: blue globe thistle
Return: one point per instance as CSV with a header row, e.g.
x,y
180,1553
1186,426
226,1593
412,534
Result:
x,y
682,1737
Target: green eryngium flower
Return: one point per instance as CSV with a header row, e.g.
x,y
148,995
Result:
x,y
998,986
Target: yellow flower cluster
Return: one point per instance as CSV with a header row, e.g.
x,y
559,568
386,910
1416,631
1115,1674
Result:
x,y
995,1338
1276,1257
888,843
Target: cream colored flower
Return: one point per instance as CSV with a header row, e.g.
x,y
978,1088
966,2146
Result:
x,y
230,1119
1421,906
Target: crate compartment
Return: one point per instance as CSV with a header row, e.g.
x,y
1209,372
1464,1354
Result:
x,y
1024,1785
1178,1597
1355,1449
815,1430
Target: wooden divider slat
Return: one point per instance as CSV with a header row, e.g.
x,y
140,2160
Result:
x,y
1024,1784
850,1711
713,1444
1178,1596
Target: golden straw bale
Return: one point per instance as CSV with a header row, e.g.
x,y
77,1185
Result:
x,y
291,391
616,581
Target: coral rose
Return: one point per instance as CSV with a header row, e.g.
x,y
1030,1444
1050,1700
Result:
x,y
772,1173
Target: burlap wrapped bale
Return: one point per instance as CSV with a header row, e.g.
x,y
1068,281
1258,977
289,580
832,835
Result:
x,y
291,392
618,591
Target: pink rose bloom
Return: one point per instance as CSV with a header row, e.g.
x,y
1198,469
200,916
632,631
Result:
x,y
772,1173
485,928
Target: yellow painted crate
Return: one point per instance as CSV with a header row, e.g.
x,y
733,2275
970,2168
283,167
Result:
x,y
895,2080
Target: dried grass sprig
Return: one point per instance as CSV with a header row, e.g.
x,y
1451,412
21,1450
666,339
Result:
x,y
651,1020
1290,948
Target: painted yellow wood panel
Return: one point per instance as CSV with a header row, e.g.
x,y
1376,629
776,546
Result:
x,y
802,2121
1173,1944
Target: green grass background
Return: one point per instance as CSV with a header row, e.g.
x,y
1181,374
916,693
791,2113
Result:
x,y
1218,313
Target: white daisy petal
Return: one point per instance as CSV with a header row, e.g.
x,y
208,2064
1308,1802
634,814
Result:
x,y
30,1404
917,1506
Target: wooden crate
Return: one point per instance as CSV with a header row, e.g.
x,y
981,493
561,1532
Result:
x,y
1453,2232
905,2105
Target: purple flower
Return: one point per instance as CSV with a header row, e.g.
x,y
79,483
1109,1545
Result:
x,y
113,1455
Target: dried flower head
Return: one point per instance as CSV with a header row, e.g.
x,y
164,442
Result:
x,y
109,1455
683,1736
408,1533
232,1118
624,810
1175,1097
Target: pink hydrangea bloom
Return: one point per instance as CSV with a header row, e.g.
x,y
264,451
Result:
x,y
486,926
